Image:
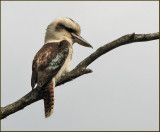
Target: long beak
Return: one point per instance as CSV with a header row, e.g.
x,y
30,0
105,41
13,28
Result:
x,y
80,40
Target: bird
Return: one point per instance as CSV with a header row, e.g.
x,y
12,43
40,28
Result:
x,y
54,57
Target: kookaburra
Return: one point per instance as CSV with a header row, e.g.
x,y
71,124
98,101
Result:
x,y
53,59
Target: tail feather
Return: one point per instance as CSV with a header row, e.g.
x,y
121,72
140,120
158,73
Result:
x,y
49,99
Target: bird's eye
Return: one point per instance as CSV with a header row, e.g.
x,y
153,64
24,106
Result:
x,y
59,26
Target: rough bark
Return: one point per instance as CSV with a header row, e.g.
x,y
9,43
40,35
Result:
x,y
79,70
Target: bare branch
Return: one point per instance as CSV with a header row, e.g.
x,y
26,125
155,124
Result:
x,y
79,70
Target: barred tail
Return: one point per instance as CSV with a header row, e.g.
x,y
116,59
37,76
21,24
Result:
x,y
49,99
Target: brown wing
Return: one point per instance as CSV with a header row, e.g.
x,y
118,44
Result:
x,y
48,61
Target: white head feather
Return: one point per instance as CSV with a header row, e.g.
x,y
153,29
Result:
x,y
55,32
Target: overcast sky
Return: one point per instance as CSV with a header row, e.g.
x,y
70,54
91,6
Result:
x,y
122,93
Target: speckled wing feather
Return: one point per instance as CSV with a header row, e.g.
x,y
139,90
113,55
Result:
x,y
48,61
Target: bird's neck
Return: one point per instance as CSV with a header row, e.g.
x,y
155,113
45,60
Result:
x,y
58,40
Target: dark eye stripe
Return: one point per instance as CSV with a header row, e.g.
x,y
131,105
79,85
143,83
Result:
x,y
61,26
70,30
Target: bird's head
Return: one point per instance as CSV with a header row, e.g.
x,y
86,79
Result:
x,y
65,29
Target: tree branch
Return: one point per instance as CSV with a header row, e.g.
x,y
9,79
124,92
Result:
x,y
79,70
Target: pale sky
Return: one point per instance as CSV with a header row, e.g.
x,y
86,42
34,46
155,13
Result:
x,y
122,93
